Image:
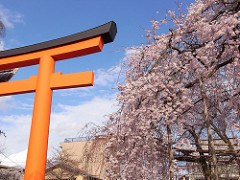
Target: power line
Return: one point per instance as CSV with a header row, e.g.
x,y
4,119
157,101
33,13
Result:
x,y
9,159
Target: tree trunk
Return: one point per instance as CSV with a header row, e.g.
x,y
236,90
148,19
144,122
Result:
x,y
205,169
238,162
223,136
170,152
202,161
211,146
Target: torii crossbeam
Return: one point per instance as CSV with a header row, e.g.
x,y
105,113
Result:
x,y
45,54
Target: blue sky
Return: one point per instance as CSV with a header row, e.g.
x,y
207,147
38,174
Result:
x,y
32,21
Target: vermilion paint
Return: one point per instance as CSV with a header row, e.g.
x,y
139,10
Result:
x,y
43,84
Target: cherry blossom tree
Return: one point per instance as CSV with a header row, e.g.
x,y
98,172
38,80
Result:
x,y
2,28
62,165
179,87
2,33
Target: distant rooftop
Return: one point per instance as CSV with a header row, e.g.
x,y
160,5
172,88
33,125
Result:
x,y
6,75
81,139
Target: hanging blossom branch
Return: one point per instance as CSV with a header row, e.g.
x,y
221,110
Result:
x,y
161,97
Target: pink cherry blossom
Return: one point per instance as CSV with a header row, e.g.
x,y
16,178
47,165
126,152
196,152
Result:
x,y
183,86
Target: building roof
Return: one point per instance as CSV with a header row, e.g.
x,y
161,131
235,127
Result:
x,y
6,75
70,169
90,153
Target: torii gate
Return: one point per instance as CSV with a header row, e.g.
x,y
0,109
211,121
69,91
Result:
x,y
45,54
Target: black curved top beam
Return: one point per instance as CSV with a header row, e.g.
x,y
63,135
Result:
x,y
106,31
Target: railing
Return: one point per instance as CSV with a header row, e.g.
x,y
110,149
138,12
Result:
x,y
79,139
87,138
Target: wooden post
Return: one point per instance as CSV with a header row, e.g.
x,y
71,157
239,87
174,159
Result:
x,y
38,142
45,54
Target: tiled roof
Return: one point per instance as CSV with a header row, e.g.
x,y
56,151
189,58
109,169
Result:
x,y
6,75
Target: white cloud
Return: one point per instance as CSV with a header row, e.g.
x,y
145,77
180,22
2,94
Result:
x,y
130,51
9,18
79,92
66,122
69,121
24,106
1,45
5,103
17,130
14,42
107,78
102,79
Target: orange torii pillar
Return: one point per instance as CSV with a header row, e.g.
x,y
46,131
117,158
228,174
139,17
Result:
x,y
45,54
